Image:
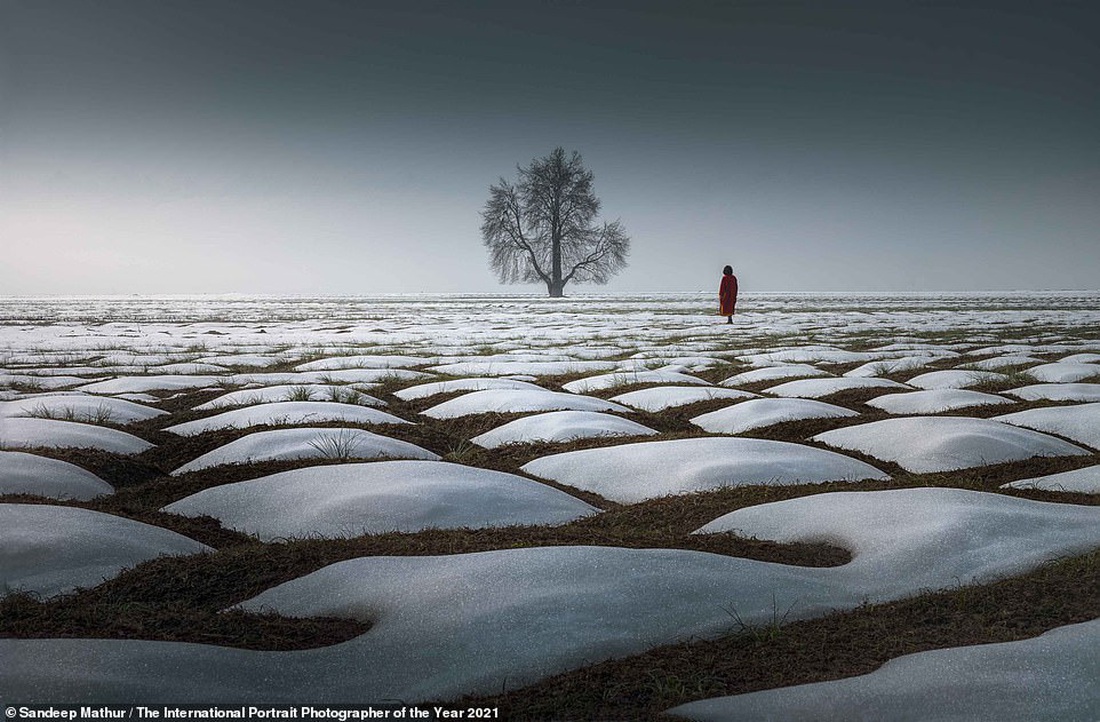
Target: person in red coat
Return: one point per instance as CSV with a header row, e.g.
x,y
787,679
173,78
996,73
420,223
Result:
x,y
727,294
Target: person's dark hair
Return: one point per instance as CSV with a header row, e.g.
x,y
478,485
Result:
x,y
727,271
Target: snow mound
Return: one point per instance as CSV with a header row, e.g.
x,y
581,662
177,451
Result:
x,y
659,398
49,383
807,355
561,426
459,624
444,626
1084,481
1063,372
759,413
882,367
185,368
364,375
78,407
634,472
926,444
363,362
423,391
51,550
261,379
922,536
55,434
134,358
955,379
1080,422
627,378
136,398
817,388
1003,362
522,368
694,363
1050,677
22,473
142,384
348,500
362,378
774,373
507,401
510,617
244,360
1083,358
1005,349
914,350
290,392
285,413
934,401
1057,392
285,444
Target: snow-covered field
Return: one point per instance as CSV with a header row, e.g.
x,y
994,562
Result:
x,y
490,412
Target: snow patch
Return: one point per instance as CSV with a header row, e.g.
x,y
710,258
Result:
x,y
510,401
558,426
926,444
934,401
22,473
760,413
286,444
51,550
630,473
21,433
286,413
347,500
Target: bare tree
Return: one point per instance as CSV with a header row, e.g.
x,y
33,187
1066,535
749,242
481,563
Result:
x,y
543,228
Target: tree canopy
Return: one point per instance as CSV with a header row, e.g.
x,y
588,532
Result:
x,y
543,228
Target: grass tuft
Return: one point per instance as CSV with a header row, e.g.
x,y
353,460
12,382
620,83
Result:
x,y
102,414
340,445
300,393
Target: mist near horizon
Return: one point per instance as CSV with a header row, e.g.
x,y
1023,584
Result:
x,y
333,148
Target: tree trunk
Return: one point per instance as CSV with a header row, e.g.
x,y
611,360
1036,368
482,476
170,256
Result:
x,y
556,289
556,283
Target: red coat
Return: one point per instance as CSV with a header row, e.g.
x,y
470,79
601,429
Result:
x,y
727,295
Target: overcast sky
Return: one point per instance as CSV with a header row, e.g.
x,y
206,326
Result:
x,y
348,147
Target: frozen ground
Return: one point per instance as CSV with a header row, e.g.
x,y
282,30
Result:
x,y
138,388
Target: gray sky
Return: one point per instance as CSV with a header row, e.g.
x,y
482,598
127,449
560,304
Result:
x,y
348,147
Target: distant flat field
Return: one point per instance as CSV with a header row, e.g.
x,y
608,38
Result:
x,y
435,322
